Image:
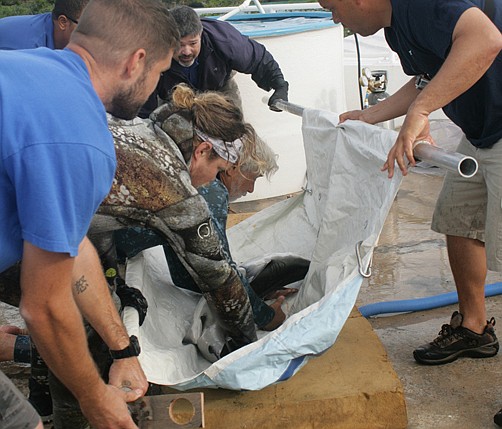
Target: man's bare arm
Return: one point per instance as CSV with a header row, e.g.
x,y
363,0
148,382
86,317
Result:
x,y
93,298
55,324
476,42
392,107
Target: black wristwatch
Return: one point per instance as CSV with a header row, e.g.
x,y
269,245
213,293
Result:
x,y
133,349
421,81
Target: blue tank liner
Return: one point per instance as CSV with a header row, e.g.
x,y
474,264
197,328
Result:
x,y
292,368
421,304
280,24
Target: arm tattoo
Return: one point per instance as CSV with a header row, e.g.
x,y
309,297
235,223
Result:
x,y
81,285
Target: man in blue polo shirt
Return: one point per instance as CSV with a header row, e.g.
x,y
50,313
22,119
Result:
x,y
452,48
50,30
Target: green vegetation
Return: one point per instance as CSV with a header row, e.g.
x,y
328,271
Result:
x,y
32,7
24,7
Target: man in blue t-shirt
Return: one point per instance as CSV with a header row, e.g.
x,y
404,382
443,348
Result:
x,y
452,48
57,163
50,30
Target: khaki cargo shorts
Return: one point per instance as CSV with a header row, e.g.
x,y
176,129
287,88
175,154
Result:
x,y
472,207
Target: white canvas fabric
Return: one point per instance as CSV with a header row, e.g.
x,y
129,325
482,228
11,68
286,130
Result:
x,y
346,202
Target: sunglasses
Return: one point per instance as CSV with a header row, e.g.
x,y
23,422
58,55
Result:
x,y
71,19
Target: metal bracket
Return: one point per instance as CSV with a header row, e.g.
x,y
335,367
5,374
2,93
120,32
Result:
x,y
169,411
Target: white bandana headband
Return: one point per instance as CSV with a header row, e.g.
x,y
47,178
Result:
x,y
226,150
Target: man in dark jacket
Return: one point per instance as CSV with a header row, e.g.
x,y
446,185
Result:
x,y
209,54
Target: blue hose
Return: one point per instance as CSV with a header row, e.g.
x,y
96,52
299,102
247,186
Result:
x,y
420,304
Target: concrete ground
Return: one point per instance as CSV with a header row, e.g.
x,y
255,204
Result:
x,y
462,394
411,262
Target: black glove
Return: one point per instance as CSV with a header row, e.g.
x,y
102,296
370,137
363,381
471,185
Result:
x,y
280,93
131,297
279,273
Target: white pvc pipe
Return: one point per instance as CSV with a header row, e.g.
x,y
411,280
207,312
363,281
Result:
x,y
235,10
464,165
259,6
267,8
130,318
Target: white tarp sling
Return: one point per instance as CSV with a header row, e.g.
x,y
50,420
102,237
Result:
x,y
346,202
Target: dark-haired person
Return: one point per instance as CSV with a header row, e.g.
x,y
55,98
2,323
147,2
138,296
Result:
x,y
57,165
50,30
209,54
453,51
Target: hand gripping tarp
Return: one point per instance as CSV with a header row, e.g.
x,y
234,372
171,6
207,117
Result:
x,y
345,203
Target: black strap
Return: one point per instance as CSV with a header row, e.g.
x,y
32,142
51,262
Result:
x,y
489,9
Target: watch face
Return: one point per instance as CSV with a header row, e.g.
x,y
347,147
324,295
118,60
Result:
x,y
134,345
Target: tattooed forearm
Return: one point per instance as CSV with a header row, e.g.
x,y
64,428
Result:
x,y
81,285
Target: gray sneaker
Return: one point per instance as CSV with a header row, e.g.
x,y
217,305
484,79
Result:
x,y
455,341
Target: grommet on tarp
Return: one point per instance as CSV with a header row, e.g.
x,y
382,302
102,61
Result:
x,y
365,273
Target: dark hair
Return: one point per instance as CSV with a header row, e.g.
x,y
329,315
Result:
x,y
69,8
187,19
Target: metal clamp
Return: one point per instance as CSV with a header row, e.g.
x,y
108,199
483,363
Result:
x,y
163,412
204,230
307,190
366,274
421,81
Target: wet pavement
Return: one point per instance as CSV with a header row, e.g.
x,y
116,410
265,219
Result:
x,y
411,262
